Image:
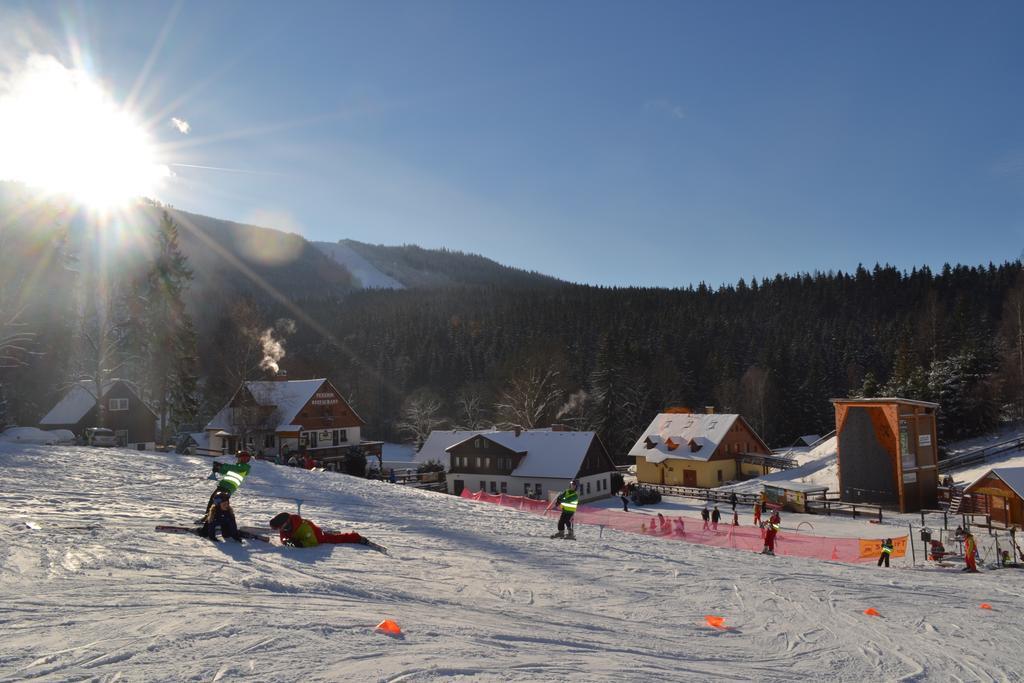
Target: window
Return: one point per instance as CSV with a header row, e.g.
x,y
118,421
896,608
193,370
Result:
x,y
536,489
478,462
334,437
487,463
588,488
312,439
504,487
719,475
476,443
494,487
118,404
483,485
268,440
342,435
526,489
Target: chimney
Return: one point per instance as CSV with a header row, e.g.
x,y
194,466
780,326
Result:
x,y
559,428
281,376
519,430
709,410
678,410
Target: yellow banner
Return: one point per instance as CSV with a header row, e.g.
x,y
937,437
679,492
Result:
x,y
872,547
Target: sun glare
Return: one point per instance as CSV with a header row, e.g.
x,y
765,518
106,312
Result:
x,y
61,132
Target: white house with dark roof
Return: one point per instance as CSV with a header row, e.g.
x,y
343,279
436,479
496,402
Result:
x,y
536,463
285,417
699,449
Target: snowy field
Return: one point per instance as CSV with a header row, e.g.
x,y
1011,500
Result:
x,y
480,591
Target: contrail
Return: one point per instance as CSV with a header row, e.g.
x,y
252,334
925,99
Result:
x,y
229,170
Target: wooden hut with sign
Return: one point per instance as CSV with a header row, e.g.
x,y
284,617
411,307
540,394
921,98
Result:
x,y
886,452
277,419
1002,489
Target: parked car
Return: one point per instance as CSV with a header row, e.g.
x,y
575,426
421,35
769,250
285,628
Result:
x,y
100,436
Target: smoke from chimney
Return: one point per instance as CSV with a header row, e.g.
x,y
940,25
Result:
x,y
273,347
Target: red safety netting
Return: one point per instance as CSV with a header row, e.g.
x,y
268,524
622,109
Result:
x,y
676,527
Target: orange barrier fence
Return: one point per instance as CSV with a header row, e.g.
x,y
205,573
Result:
x,y
676,527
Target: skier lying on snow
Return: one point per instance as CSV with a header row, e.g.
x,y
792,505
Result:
x,y
302,533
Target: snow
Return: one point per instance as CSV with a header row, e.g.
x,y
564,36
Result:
x,y
34,435
480,591
289,397
1011,476
368,275
705,430
817,466
973,472
549,454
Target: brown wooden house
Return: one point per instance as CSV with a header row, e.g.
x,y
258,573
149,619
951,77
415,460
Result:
x,y
1002,489
118,408
279,418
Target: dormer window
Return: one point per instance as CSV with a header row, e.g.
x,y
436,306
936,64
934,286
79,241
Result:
x,y
694,445
670,444
649,443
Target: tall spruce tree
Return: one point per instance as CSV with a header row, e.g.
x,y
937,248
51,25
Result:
x,y
171,338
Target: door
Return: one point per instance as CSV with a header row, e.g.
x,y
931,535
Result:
x,y
458,486
689,477
998,510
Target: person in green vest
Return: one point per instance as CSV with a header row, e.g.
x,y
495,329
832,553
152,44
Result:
x,y
886,552
568,500
232,476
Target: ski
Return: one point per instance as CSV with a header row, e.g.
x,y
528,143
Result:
x,y
194,531
376,546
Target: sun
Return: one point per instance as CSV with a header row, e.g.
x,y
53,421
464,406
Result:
x,y
62,132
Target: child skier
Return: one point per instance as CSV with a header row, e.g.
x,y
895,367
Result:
x,y
568,500
773,525
970,551
715,516
886,551
705,515
303,533
220,515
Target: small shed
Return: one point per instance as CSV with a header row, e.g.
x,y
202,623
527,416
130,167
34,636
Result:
x,y
1003,488
792,495
886,452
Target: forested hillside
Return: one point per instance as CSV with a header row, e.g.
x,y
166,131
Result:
x,y
510,347
776,351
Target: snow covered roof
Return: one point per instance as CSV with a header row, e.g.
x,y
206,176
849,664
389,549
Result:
x,y
798,486
288,397
886,399
683,436
436,445
549,454
1011,476
78,401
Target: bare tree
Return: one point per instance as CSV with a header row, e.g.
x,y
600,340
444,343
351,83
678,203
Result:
x,y
530,400
420,416
472,411
14,340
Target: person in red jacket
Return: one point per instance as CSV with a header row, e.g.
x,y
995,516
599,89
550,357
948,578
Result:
x,y
773,525
303,533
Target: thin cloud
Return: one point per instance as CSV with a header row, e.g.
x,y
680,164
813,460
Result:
x,y
666,108
181,124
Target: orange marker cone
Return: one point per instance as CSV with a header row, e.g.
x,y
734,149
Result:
x,y
389,627
872,612
985,605
716,622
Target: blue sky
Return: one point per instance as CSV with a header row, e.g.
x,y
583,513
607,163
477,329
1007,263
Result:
x,y
631,143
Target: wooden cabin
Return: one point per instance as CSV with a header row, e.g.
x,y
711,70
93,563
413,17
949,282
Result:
x,y
118,407
1003,491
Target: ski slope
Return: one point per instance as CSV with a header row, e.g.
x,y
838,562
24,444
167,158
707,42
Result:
x,y
480,592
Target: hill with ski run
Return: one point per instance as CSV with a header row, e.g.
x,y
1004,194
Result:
x,y
91,592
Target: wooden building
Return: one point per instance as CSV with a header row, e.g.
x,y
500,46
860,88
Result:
x,y
279,418
118,408
699,449
535,463
886,452
1003,490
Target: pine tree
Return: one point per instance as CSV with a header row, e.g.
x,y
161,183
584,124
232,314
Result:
x,y
168,327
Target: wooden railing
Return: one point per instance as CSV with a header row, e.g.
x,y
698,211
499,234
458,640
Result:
x,y
980,454
710,495
827,506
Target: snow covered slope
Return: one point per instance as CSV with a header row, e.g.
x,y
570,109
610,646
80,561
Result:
x,y
368,275
480,591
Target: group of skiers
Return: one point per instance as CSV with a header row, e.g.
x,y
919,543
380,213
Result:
x,y
292,529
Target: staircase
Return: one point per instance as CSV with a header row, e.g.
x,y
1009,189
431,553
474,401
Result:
x,y
956,498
